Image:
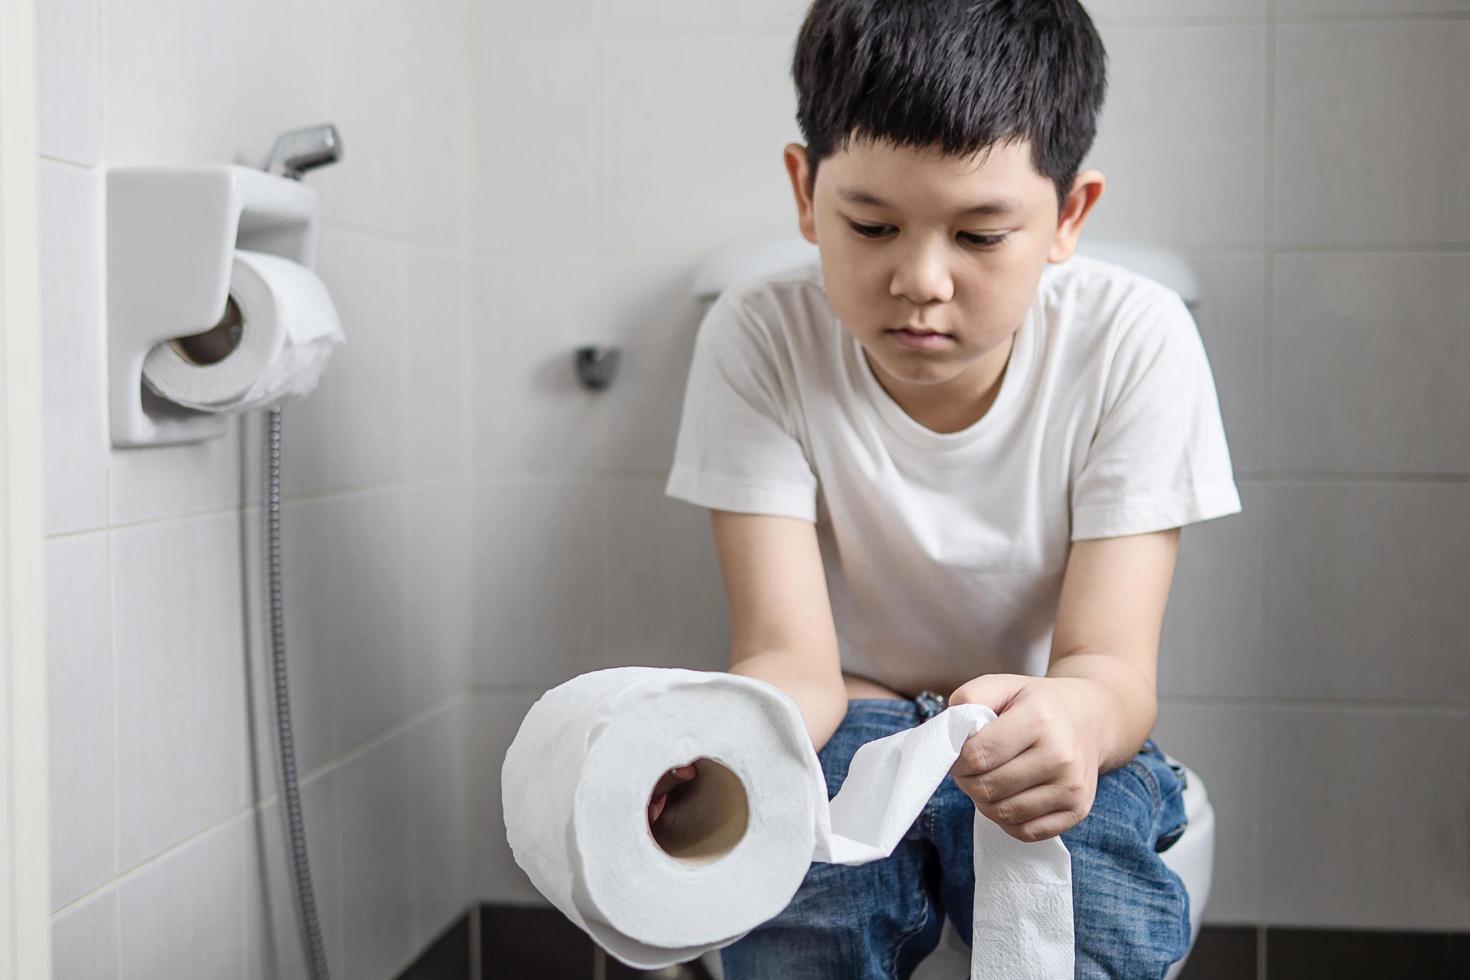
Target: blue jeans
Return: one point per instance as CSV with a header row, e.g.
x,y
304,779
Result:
x,y
877,921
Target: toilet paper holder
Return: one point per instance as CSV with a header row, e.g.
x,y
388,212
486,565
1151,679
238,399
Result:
x,y
172,233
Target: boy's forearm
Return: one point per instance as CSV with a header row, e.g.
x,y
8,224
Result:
x,y
819,693
1132,703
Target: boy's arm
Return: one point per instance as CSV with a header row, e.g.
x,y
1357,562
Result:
x,y
1034,770
1109,618
781,628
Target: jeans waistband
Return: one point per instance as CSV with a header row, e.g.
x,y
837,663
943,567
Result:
x,y
929,704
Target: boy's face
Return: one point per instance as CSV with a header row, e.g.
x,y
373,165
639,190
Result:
x,y
900,247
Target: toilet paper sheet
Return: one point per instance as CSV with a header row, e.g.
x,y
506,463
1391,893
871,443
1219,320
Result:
x,y
577,778
289,328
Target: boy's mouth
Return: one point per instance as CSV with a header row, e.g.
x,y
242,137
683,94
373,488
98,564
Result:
x,y
919,339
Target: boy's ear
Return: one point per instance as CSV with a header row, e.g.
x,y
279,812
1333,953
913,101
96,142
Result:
x,y
1086,189
796,168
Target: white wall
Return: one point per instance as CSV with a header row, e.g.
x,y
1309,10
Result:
x,y
1305,155
166,851
1309,155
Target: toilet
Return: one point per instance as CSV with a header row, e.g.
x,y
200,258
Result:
x,y
1192,858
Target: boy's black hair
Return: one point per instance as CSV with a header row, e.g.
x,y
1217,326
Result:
x,y
960,75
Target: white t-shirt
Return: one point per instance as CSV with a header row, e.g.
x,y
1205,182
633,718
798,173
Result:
x,y
944,552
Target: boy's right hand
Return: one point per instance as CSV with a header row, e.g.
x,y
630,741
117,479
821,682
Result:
x,y
658,802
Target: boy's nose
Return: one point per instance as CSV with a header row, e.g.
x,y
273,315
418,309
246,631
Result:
x,y
923,277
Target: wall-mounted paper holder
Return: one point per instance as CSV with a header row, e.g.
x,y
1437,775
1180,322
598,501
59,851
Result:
x,y
172,233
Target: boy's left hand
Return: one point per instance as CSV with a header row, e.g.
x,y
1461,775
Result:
x,y
1033,771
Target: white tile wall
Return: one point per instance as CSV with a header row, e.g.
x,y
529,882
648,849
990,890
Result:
x,y
1180,139
379,896
441,793
1213,640
666,600
439,571
531,416
1371,825
185,914
68,82
397,90
708,18
83,805
1354,163
73,355
1366,591
689,157
271,921
171,91
1222,744
1384,334
168,852
1233,321
1350,8
352,430
549,18
306,571
179,681
436,355
159,482
84,940
536,191
540,580
1152,11
367,592
280,72
495,718
654,317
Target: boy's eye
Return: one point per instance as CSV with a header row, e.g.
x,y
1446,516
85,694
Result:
x,y
980,241
868,231
983,241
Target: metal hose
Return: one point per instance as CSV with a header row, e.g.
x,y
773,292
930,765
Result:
x,y
311,932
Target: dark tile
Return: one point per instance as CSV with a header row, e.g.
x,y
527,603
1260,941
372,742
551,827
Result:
x,y
518,942
1222,953
1458,956
1341,954
447,958
681,971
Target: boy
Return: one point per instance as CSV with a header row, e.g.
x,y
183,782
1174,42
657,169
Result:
x,y
952,457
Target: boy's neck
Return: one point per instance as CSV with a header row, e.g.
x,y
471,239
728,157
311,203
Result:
x,y
956,404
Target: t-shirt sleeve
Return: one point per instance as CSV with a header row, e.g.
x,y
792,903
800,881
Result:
x,y
738,447
1159,458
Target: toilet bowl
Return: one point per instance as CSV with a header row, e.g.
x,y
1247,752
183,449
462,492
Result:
x,y
1192,858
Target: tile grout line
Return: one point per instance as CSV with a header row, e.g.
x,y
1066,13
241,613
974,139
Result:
x,y
116,778
477,952
110,482
1268,233
598,477
1272,17
1267,702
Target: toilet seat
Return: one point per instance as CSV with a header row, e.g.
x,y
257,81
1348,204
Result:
x,y
1192,857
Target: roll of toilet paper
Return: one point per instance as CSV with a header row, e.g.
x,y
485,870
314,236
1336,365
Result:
x,y
575,789
288,329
